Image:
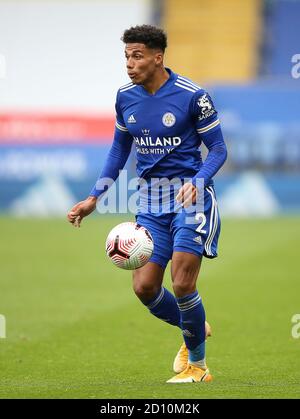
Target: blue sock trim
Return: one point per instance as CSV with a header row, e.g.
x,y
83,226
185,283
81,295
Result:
x,y
189,301
156,300
186,298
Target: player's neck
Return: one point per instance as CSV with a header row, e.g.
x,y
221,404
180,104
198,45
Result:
x,y
157,81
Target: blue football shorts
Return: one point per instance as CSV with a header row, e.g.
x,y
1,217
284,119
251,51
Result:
x,y
172,233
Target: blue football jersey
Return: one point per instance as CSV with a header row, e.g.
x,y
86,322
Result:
x,y
167,127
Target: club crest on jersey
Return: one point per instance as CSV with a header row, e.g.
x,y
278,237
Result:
x,y
206,106
168,119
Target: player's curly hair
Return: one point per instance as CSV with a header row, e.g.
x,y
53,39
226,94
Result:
x,y
151,36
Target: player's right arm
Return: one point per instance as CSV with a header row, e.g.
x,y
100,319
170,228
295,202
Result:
x,y
115,161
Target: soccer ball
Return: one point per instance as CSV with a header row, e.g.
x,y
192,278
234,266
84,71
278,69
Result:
x,y
129,245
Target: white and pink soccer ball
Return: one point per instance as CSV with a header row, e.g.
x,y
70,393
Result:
x,y
129,245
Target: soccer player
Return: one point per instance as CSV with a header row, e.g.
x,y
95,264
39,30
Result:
x,y
167,117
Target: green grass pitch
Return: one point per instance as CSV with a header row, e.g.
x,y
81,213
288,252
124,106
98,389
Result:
x,y
74,328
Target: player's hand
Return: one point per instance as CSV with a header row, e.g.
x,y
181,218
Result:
x,y
81,210
187,195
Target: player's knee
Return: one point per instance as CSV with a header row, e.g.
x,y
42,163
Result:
x,y
183,288
144,290
184,281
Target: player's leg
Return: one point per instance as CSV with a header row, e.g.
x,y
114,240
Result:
x,y
147,281
185,269
147,285
191,241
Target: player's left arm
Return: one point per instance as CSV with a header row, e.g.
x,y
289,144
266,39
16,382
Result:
x,y
208,127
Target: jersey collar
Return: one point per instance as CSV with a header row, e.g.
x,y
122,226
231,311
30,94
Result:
x,y
163,86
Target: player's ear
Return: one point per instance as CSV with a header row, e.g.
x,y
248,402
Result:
x,y
159,57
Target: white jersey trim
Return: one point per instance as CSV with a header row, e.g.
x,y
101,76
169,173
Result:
x,y
125,85
208,127
190,82
120,127
191,89
213,223
127,88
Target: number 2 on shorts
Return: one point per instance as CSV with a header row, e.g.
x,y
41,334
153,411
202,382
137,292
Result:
x,y
198,217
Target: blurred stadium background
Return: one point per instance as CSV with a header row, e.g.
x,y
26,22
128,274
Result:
x,y
61,63
64,62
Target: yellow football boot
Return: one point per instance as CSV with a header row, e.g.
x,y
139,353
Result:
x,y
181,359
192,374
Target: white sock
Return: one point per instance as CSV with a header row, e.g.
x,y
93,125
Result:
x,y
200,364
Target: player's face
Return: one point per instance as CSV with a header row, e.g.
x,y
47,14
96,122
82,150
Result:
x,y
142,62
